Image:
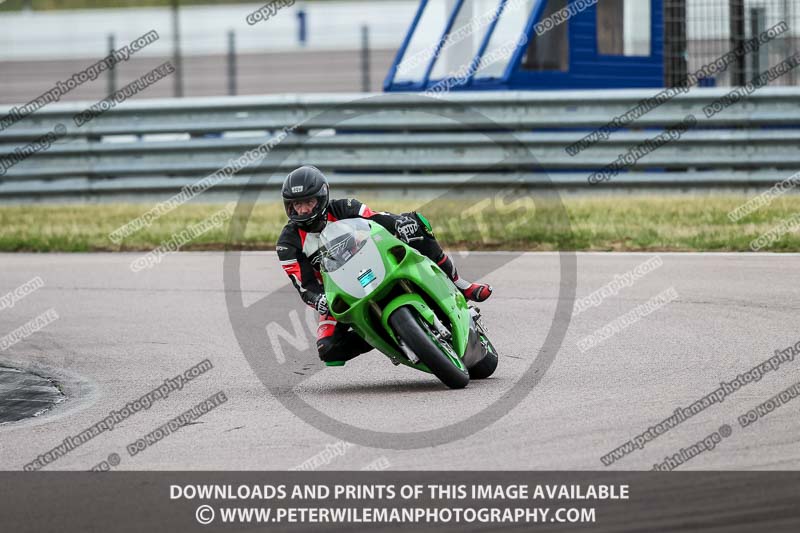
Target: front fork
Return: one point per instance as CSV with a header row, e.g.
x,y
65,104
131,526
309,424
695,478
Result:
x,y
444,333
475,314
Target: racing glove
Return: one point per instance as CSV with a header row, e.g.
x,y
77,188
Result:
x,y
321,304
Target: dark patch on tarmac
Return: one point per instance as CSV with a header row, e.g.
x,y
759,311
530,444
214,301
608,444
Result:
x,y
24,394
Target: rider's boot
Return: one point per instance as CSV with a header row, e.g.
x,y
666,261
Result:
x,y
337,343
476,292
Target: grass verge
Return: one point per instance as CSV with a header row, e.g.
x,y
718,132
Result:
x,y
622,223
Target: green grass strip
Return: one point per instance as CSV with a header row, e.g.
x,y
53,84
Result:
x,y
630,222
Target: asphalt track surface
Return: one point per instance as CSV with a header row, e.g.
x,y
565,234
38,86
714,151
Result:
x,y
120,335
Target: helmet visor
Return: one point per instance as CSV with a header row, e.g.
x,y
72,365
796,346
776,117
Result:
x,y
299,210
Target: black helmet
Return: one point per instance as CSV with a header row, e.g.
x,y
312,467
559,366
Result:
x,y
305,183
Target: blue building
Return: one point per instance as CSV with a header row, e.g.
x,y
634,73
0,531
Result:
x,y
531,45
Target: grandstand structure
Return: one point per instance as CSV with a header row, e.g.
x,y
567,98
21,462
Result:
x,y
341,46
585,44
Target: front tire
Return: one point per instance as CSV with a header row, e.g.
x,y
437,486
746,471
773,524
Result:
x,y
421,339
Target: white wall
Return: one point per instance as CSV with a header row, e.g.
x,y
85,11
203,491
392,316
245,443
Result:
x,y
83,33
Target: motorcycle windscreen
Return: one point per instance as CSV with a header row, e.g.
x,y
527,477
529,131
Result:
x,y
350,257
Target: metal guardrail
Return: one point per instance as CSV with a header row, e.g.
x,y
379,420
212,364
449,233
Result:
x,y
404,141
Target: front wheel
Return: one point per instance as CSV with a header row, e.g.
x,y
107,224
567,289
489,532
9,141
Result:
x,y
437,354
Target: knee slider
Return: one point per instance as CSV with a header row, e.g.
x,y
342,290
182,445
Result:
x,y
424,221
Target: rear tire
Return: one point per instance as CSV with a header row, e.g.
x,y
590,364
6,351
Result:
x,y
488,364
417,334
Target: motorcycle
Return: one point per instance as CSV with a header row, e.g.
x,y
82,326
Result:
x,y
402,303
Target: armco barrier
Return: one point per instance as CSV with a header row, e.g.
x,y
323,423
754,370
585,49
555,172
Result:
x,y
400,141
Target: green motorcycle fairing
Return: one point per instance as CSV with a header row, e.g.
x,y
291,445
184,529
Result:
x,y
374,269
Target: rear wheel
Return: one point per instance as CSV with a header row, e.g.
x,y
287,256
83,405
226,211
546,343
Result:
x,y
437,353
488,364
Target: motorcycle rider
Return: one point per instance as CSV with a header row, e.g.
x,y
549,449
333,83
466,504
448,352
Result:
x,y
306,200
